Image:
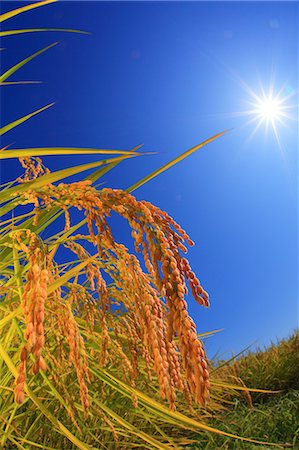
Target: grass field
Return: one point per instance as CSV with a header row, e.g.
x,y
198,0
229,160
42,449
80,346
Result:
x,y
270,417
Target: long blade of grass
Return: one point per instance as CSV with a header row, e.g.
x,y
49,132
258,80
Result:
x,y
242,388
233,358
8,83
8,426
10,317
17,122
210,333
69,274
173,162
16,443
15,12
38,30
123,423
22,153
8,207
100,172
35,444
14,220
16,67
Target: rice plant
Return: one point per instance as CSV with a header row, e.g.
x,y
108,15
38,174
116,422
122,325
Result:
x,y
98,349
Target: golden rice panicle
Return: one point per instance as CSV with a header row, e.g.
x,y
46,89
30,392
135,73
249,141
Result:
x,y
33,169
190,347
151,317
28,303
160,364
200,295
33,298
168,237
21,378
174,365
156,321
82,254
77,356
67,218
144,321
41,297
112,428
83,304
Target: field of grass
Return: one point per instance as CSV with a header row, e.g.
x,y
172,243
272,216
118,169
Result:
x,y
269,417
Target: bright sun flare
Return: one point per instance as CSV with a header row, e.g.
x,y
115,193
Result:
x,y
269,109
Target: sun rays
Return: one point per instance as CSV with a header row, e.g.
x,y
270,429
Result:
x,y
271,109
266,110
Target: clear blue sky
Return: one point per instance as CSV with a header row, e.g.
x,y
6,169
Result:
x,y
168,74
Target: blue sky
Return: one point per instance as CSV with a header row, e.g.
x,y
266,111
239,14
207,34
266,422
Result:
x,y
170,75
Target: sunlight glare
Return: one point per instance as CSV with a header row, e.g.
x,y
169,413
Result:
x,y
269,109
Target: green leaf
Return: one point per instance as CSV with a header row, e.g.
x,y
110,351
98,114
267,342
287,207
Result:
x,y
22,153
173,162
10,317
37,30
25,8
100,172
17,122
243,388
8,83
16,67
70,274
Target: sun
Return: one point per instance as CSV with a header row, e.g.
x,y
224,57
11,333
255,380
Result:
x,y
269,109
